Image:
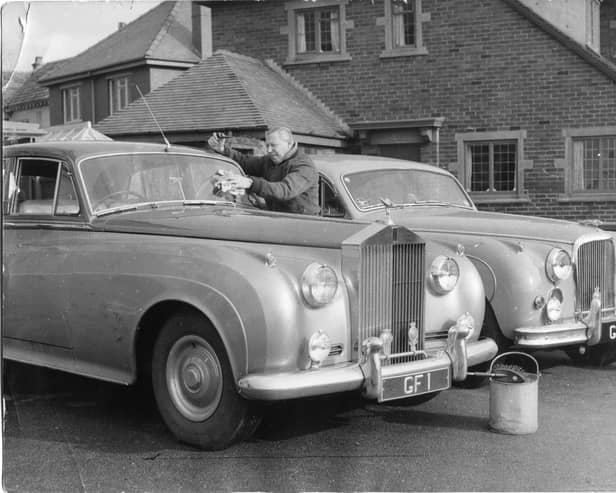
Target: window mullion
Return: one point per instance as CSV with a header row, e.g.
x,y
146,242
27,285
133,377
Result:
x,y
491,186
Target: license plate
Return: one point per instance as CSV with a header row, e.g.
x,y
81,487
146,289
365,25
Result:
x,y
608,332
413,384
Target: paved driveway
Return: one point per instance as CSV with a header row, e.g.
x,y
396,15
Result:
x,y
66,433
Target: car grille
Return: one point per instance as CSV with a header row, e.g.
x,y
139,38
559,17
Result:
x,y
391,294
594,268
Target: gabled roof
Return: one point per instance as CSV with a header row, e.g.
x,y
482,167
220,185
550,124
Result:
x,y
593,58
161,34
31,93
228,91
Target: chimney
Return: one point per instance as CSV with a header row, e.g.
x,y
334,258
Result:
x,y
38,61
202,29
121,25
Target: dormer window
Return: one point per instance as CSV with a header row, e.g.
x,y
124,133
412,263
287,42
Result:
x,y
70,105
118,94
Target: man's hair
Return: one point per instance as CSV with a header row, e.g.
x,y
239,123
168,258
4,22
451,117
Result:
x,y
283,131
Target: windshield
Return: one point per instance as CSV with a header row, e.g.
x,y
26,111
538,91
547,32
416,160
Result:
x,y
403,187
116,181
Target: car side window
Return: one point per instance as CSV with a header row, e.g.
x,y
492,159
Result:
x,y
45,187
329,200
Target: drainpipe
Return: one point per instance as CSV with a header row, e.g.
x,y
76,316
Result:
x,y
437,142
93,102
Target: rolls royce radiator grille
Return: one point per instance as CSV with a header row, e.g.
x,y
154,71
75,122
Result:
x,y
594,268
391,294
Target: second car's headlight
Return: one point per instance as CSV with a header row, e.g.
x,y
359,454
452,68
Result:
x,y
558,265
319,284
444,274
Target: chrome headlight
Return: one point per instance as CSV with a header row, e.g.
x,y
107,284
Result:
x,y
444,274
319,284
558,265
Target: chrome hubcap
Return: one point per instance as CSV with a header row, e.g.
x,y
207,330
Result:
x,y
194,378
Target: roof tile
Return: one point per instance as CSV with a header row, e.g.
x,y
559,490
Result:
x,y
163,33
228,91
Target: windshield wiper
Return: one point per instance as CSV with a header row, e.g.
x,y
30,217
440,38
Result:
x,y
208,202
159,204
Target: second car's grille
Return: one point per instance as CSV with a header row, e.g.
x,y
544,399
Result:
x,y
594,268
391,293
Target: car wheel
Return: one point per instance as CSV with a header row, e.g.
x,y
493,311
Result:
x,y
194,386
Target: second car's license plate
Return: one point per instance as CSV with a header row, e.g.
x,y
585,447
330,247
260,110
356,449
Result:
x,y
413,384
608,332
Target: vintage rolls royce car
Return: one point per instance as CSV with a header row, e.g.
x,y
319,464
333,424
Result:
x,y
122,263
549,283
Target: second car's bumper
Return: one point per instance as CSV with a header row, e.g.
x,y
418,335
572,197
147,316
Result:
x,y
350,376
561,335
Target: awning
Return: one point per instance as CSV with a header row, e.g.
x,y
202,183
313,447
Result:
x,y
18,131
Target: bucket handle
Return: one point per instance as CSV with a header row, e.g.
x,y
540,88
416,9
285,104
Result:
x,y
516,353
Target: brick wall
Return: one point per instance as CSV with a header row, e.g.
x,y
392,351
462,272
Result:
x,y
488,68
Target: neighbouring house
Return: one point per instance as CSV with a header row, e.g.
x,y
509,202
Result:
x,y
231,93
138,57
29,101
521,108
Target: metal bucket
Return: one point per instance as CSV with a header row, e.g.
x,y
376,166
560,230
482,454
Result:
x,y
514,401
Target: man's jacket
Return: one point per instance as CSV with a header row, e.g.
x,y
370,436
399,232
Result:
x,y
291,186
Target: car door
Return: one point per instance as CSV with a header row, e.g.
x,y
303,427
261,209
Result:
x,y
42,217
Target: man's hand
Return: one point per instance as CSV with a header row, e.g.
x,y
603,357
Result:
x,y
233,184
217,142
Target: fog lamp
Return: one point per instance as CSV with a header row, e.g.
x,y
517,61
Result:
x,y
319,284
553,308
318,348
444,274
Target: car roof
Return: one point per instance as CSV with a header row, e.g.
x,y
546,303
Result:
x,y
342,164
77,150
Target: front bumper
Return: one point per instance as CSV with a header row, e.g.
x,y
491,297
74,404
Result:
x,y
354,376
595,328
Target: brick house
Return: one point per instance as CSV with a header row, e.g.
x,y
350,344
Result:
x,y
521,107
148,52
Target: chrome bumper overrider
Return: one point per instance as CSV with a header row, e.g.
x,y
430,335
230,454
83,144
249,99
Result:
x,y
367,375
586,331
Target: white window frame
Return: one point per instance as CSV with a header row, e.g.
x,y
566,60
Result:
x,y
295,56
463,140
117,91
574,190
418,47
71,104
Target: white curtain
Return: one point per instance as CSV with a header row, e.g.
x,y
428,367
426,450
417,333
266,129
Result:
x,y
301,33
578,165
335,28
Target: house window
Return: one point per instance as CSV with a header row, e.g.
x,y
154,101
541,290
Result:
x,y
490,164
403,28
118,94
594,164
592,24
317,31
70,104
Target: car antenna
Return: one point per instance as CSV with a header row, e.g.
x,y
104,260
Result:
x,y
153,117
